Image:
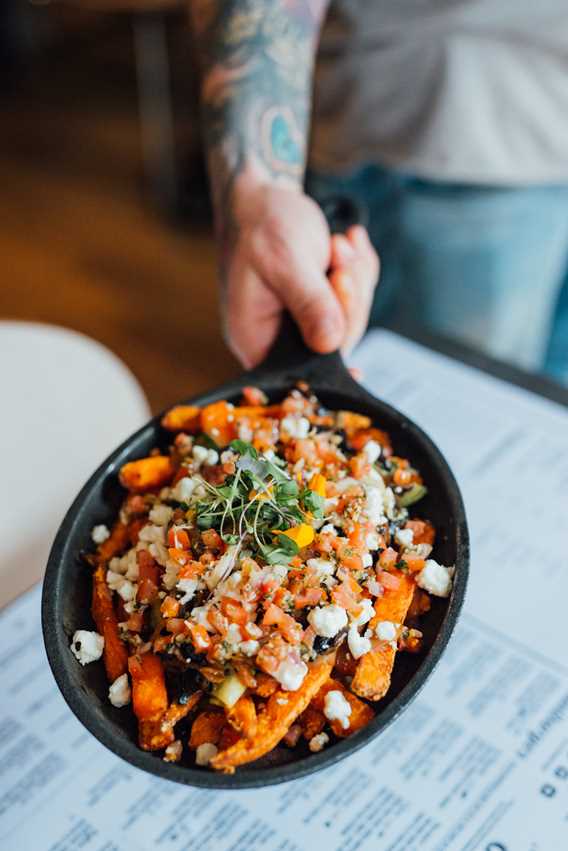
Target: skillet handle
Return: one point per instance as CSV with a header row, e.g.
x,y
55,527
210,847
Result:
x,y
290,360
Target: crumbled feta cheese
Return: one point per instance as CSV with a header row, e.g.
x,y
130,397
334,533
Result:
x,y
328,529
188,588
374,505
337,708
404,537
327,621
222,568
119,691
151,533
173,752
87,646
250,648
435,578
114,580
322,566
201,616
253,630
389,503
297,427
367,560
161,515
183,490
367,612
318,742
358,644
233,634
205,753
227,455
291,674
372,450
200,454
244,431
372,541
127,590
212,457
100,534
386,631
374,587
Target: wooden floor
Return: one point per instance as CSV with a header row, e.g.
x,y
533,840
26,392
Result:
x,y
83,246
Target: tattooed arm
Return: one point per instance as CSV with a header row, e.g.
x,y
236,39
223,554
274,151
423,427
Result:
x,y
256,61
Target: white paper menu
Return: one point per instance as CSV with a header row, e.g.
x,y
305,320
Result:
x,y
479,762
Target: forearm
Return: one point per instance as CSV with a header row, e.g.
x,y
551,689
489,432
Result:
x,y
256,61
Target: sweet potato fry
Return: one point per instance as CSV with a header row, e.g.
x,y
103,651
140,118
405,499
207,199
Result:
x,y
146,473
373,673
207,727
282,709
149,695
361,713
218,423
115,654
182,418
265,684
312,722
156,735
114,545
242,716
351,422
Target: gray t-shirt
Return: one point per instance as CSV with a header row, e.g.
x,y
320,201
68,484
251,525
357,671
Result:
x,y
460,90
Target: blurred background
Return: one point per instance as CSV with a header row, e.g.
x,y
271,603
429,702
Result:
x,y
104,221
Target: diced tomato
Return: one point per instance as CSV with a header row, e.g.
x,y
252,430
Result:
x,y
180,556
388,580
350,559
200,638
424,532
135,622
234,611
218,620
403,478
212,539
309,597
359,466
170,607
181,473
254,396
191,570
388,557
176,626
360,438
272,654
357,535
413,562
290,629
178,539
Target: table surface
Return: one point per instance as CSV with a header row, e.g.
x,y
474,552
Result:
x,y
67,402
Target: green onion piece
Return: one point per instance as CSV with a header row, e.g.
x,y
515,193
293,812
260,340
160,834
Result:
x,y
411,496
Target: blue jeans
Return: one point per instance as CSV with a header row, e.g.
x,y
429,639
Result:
x,y
485,265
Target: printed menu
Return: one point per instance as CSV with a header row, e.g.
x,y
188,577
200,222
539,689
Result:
x,y
478,762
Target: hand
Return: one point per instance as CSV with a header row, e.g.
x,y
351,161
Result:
x,y
280,259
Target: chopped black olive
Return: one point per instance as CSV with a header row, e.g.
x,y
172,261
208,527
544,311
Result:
x,y
323,644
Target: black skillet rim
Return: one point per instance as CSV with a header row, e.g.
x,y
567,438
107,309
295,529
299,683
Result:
x,y
331,369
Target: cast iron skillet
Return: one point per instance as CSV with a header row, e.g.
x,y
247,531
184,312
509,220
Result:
x,y
67,586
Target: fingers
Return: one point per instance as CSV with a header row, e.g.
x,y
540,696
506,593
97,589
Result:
x,y
251,314
353,276
297,278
